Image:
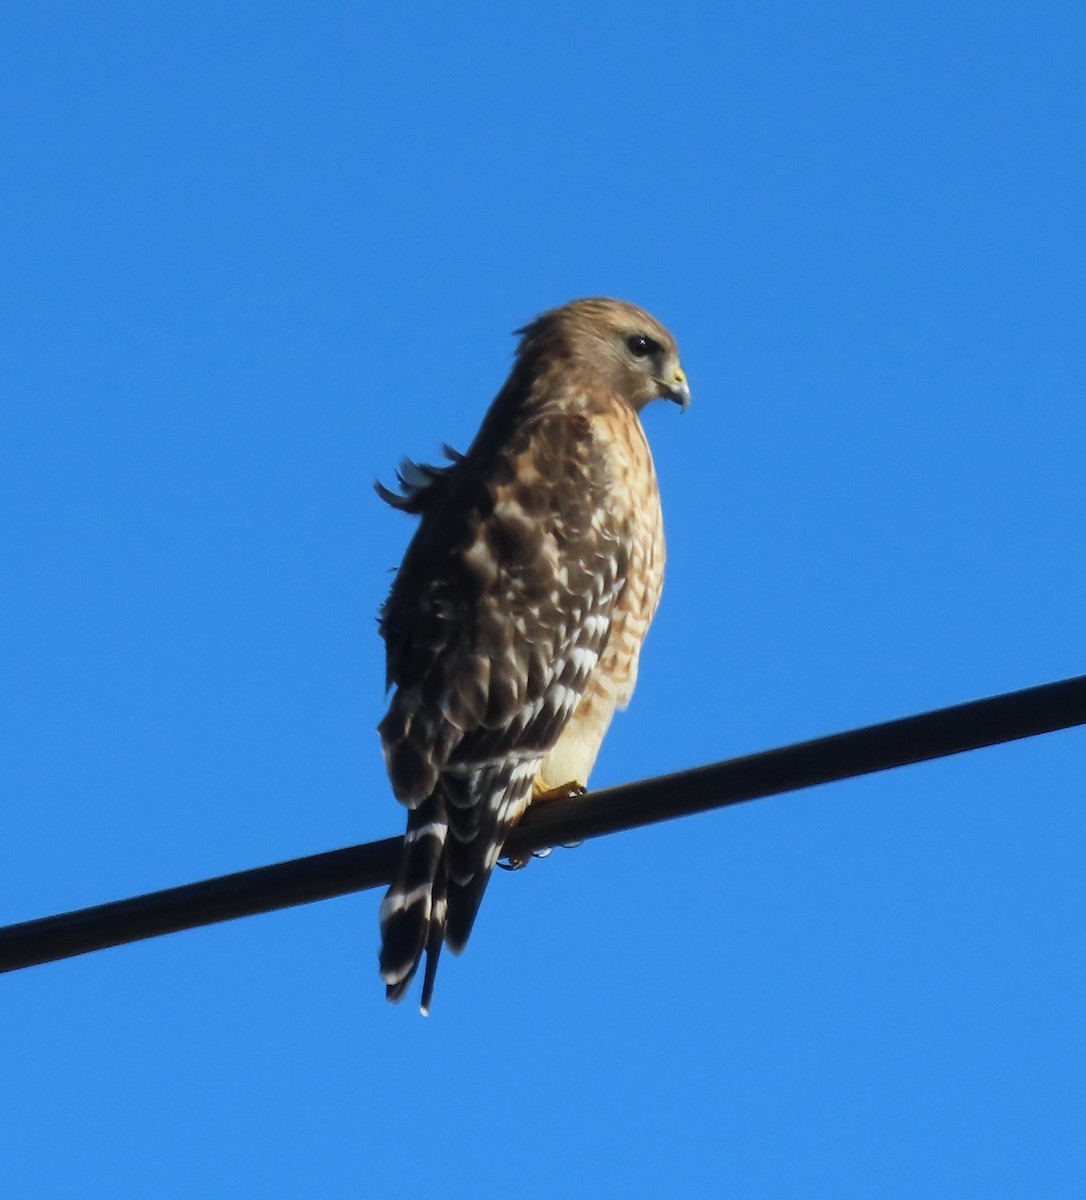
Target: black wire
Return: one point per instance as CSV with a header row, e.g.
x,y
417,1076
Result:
x,y
930,735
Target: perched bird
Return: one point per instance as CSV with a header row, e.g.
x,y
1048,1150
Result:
x,y
514,626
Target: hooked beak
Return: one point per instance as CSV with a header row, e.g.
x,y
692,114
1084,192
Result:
x,y
675,387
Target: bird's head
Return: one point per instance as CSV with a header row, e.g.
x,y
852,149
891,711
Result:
x,y
615,344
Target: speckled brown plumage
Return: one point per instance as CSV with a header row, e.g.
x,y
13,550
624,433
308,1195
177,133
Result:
x,y
514,626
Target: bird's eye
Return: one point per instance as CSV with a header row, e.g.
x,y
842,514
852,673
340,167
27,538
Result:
x,y
641,346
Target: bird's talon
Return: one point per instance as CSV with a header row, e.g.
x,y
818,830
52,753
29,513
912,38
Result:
x,y
565,791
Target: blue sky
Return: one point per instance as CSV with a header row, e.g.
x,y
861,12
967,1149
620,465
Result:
x,y
253,256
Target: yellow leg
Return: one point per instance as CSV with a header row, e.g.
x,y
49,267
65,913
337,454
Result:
x,y
541,793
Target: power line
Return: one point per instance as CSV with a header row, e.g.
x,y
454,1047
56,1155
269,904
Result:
x,y
945,731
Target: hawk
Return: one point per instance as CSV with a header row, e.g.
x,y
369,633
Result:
x,y
514,625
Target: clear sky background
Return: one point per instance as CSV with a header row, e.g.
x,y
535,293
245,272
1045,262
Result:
x,y
252,255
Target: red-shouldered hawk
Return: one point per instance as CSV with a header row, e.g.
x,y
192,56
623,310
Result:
x,y
515,623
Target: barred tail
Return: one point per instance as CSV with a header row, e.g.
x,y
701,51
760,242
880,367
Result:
x,y
480,818
414,908
453,841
